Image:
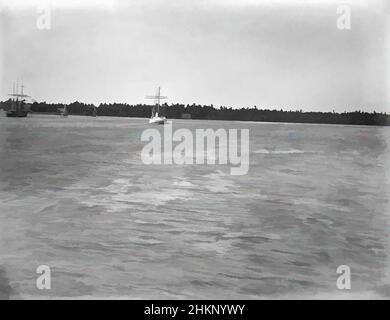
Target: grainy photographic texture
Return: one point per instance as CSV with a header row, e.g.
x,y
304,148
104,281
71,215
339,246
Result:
x,y
189,149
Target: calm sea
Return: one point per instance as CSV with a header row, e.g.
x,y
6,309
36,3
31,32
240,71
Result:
x,y
74,195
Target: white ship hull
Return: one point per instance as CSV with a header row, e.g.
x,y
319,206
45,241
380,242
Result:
x,y
157,120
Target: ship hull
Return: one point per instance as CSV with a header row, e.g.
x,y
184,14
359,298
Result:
x,y
157,120
15,114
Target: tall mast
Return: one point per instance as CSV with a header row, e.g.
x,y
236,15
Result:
x,y
17,89
157,98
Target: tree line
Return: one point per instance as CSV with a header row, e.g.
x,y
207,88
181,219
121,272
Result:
x,y
209,112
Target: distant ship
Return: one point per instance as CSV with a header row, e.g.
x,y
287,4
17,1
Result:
x,y
155,118
17,106
63,111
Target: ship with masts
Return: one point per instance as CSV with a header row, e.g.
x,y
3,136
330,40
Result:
x,y
156,118
17,106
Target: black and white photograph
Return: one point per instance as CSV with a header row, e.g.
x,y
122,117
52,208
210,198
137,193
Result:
x,y
195,150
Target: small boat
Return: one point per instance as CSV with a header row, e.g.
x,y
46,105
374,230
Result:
x,y
156,118
63,111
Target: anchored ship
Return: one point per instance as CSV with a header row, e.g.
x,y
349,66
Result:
x,y
18,106
155,118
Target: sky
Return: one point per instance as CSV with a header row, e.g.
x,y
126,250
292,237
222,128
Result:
x,y
236,53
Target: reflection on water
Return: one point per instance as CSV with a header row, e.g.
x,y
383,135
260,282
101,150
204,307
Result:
x,y
5,288
75,196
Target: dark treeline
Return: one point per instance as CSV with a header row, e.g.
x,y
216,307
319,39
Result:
x,y
176,111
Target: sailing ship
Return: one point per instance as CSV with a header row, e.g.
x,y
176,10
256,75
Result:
x,y
155,118
18,107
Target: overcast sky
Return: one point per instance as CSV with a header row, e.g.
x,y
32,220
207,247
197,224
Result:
x,y
238,53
